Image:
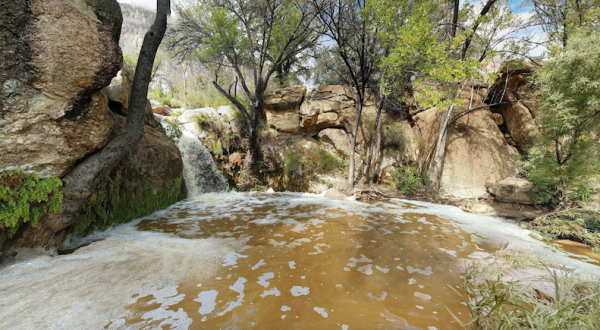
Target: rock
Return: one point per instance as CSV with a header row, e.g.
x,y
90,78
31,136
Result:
x,y
235,159
119,91
338,139
284,122
285,99
52,113
513,190
481,208
498,119
327,107
160,111
520,124
476,152
333,193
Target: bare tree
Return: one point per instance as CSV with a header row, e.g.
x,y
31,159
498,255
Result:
x,y
259,35
357,45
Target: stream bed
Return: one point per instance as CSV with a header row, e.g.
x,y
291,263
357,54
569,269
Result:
x,y
264,261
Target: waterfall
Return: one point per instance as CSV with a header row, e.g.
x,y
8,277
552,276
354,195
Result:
x,y
199,169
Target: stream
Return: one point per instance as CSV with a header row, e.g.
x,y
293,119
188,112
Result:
x,y
264,261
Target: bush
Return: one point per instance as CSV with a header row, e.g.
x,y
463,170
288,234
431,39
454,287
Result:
x,y
302,167
576,225
409,181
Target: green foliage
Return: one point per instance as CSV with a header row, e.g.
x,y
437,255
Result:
x,y
576,225
494,304
25,198
409,181
301,167
174,133
119,199
566,155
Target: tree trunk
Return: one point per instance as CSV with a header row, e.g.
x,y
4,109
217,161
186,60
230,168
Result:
x,y
353,145
437,162
375,149
80,182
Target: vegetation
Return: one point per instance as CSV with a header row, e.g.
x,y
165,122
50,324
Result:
x,y
25,198
409,181
121,197
300,168
496,304
565,157
576,225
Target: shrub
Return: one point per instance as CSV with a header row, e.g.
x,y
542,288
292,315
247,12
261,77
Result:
x,y
409,181
576,225
302,167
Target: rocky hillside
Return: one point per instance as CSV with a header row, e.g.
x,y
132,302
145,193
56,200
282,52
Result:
x,y
56,110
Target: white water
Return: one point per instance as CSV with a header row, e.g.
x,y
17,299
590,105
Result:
x,y
199,169
263,261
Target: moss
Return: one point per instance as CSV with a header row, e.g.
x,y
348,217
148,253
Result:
x,y
25,198
122,197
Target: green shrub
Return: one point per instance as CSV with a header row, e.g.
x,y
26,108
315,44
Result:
x,y
409,181
25,198
302,167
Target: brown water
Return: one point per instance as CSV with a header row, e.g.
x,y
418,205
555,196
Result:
x,y
309,263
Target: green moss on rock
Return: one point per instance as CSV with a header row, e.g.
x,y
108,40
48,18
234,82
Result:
x,y
121,197
25,198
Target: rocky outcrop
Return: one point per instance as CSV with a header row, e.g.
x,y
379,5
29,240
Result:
x,y
327,107
338,139
118,93
477,152
52,113
513,190
515,96
285,99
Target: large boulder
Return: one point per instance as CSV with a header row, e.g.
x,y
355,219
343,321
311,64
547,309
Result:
x,y
476,152
338,139
513,190
119,91
55,57
285,99
518,104
327,107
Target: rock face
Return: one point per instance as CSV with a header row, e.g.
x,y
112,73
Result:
x,y
285,99
477,152
327,107
52,113
338,139
118,95
513,190
520,107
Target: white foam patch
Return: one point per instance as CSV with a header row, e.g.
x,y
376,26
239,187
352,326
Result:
x,y
345,327
353,261
285,308
318,248
262,280
299,291
292,264
258,264
321,311
423,296
450,252
238,287
367,269
427,271
272,292
208,299
384,270
231,258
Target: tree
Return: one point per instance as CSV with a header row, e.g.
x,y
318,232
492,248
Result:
x,y
358,46
80,182
258,35
565,156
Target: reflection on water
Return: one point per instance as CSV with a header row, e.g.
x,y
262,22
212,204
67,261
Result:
x,y
309,262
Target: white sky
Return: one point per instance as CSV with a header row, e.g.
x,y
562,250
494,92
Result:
x,y
148,4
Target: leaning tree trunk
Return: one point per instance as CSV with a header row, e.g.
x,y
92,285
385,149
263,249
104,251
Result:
x,y
437,162
353,145
375,149
80,182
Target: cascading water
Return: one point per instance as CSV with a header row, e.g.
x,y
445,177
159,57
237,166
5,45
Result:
x,y
199,169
